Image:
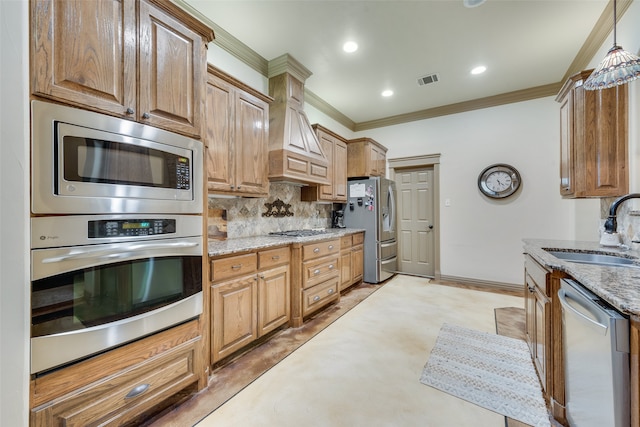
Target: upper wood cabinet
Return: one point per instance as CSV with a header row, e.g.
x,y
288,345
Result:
x,y
335,148
593,140
366,157
236,136
140,60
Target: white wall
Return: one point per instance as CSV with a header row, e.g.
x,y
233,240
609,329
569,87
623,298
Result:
x,y
482,238
14,214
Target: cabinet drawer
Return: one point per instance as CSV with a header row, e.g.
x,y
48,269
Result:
x,y
357,239
273,257
317,271
345,242
320,295
233,266
320,249
118,399
537,273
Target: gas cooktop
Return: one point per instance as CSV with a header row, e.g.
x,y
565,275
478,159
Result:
x,y
298,233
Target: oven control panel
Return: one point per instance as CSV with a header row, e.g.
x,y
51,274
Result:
x,y
130,227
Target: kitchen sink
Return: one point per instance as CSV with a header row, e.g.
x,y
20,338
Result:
x,y
595,258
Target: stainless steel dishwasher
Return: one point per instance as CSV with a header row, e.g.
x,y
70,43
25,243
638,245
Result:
x,y
596,347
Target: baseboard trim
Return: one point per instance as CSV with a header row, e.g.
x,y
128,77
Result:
x,y
482,285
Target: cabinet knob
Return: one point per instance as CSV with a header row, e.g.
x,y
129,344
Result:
x,y
316,250
130,111
330,291
330,266
233,186
316,272
137,391
330,247
145,115
316,298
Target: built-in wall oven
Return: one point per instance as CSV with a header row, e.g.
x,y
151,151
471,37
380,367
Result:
x,y
99,281
116,233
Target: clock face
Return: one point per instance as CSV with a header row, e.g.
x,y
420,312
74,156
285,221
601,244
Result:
x,y
499,181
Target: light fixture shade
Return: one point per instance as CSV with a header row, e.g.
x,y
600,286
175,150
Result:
x,y
617,68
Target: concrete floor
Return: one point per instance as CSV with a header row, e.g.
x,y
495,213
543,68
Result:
x,y
364,369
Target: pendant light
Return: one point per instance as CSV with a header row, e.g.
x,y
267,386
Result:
x,y
617,68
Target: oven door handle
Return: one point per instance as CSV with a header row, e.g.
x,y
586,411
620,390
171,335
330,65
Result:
x,y
120,251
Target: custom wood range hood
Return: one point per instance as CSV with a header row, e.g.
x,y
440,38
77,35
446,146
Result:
x,y
294,151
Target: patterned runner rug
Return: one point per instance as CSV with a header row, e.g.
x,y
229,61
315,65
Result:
x,y
491,371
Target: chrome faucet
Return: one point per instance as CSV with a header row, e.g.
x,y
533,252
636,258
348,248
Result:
x,y
611,224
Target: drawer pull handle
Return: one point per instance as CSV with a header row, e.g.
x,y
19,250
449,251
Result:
x,y
316,271
316,250
275,257
330,266
137,391
316,298
235,267
330,247
330,291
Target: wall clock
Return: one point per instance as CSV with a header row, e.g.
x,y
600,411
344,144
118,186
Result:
x,y
499,181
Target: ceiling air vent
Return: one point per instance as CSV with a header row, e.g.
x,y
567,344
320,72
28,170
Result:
x,y
425,80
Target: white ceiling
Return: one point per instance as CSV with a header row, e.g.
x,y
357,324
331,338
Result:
x,y
523,44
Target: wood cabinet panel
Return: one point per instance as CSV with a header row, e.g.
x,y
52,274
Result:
x,y
593,140
357,261
320,249
335,149
274,293
236,137
271,257
319,270
139,60
225,268
234,307
318,296
365,157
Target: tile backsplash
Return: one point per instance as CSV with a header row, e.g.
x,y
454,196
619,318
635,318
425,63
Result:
x,y
244,215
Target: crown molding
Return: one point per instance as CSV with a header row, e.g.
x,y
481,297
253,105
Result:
x,y
286,63
597,37
327,109
460,107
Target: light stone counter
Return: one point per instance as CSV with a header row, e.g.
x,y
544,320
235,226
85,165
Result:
x,y
232,246
618,285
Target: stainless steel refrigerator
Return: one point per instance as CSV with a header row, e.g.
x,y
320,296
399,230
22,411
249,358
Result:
x,y
371,205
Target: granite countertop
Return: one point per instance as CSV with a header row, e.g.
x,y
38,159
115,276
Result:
x,y
618,285
231,246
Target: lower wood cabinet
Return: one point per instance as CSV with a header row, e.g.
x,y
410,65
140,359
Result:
x,y
351,260
122,386
250,297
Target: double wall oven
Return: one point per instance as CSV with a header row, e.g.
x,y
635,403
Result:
x,y
116,233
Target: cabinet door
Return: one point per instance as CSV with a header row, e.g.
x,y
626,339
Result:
x,y
325,192
566,146
357,262
339,171
274,299
83,53
381,163
372,160
251,144
346,270
233,315
218,135
541,325
172,67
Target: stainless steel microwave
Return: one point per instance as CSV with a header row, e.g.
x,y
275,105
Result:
x,y
89,163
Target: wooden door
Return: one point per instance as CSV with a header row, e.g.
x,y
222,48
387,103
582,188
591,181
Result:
x,y
339,171
218,134
172,69
83,53
416,240
251,144
233,315
274,299
325,192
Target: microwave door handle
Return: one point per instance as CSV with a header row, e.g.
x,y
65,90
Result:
x,y
110,253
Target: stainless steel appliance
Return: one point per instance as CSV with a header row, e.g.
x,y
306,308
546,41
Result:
x,y
596,346
371,205
99,281
89,163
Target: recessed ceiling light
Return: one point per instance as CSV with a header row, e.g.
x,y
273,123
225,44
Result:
x,y
479,69
473,3
350,47
387,93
